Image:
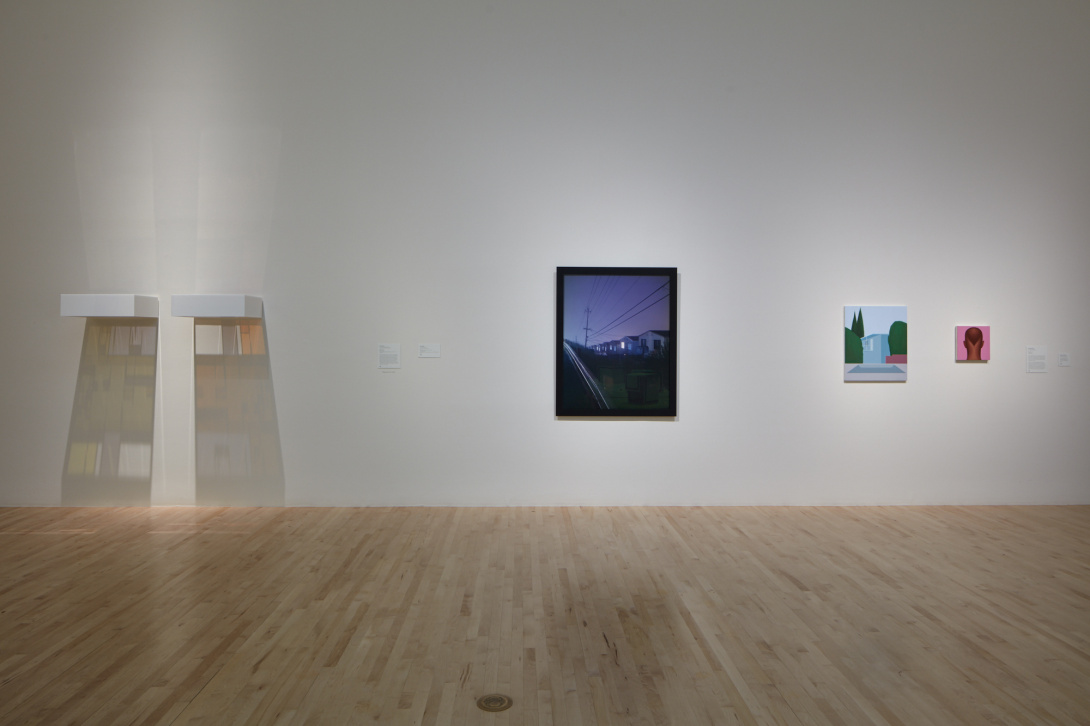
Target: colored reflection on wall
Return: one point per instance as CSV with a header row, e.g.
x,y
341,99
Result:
x,y
108,458
237,435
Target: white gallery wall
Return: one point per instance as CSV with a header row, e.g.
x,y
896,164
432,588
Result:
x,y
415,171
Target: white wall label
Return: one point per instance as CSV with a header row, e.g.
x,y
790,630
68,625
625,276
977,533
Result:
x,y
429,350
1063,360
389,355
1036,359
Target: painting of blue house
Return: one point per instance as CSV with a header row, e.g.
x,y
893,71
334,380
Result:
x,y
876,343
875,348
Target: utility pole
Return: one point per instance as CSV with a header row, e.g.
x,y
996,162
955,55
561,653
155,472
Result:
x,y
586,330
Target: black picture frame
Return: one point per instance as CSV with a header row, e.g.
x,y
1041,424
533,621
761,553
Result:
x,y
616,341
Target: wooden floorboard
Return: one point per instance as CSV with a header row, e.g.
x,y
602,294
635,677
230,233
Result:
x,y
640,615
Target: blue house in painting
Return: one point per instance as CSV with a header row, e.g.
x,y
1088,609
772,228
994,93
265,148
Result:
x,y
875,348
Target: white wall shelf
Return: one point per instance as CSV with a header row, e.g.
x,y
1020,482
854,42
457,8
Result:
x,y
215,306
109,306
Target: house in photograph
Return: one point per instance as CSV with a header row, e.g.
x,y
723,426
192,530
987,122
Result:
x,y
654,341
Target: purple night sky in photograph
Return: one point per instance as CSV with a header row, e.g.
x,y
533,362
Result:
x,y
619,305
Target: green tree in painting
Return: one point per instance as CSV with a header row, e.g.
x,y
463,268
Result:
x,y
898,338
853,347
857,325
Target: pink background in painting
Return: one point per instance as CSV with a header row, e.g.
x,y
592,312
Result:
x,y
959,342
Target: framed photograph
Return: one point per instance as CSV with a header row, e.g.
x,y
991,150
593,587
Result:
x,y
972,343
875,343
616,341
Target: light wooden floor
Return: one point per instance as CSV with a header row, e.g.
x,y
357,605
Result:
x,y
903,615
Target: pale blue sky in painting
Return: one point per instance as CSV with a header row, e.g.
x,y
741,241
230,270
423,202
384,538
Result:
x,y
876,318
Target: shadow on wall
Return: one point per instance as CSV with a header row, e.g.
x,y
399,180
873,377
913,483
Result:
x,y
239,461
108,458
